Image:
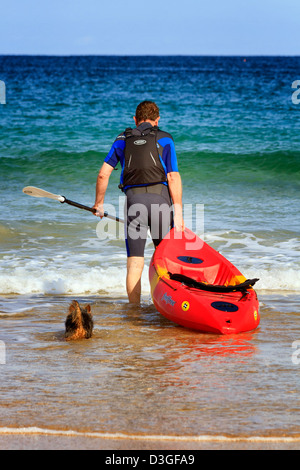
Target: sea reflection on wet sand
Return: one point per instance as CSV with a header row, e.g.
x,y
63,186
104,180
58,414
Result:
x,y
142,375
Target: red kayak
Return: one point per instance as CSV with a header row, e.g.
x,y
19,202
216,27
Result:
x,y
195,286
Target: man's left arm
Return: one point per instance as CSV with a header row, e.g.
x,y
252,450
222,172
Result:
x,y
175,188
169,159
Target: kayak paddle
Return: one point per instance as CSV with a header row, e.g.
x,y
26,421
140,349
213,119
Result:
x,y
37,192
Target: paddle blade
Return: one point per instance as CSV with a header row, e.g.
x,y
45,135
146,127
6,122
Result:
x,y
37,192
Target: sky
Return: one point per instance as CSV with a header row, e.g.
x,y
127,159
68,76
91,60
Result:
x,y
153,27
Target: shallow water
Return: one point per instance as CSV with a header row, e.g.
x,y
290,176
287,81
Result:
x,y
236,134
143,375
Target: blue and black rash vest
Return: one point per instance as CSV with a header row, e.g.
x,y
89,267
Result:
x,y
162,157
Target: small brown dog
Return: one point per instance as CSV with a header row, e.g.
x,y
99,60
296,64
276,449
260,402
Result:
x,y
79,323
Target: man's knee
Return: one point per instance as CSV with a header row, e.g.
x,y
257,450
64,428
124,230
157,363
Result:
x,y
135,265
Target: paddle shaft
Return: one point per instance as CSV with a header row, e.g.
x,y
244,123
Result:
x,y
90,209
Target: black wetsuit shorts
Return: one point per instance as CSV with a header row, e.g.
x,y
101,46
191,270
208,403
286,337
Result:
x,y
146,207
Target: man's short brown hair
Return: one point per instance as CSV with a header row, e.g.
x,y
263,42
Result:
x,y
147,110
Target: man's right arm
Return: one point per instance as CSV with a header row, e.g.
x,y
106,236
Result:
x,y
114,156
101,186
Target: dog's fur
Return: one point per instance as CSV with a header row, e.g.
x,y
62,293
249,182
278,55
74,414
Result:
x,y
79,323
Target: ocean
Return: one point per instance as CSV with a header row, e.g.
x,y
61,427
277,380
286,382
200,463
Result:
x,y
236,133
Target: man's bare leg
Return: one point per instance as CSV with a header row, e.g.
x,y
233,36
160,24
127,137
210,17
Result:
x,y
135,265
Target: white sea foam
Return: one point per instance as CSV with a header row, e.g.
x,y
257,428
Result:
x,y
96,267
273,258
67,281
111,280
277,279
80,280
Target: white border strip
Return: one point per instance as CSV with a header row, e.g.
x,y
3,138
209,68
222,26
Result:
x,y
203,438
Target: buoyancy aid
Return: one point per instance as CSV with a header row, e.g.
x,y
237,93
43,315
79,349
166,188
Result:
x,y
142,164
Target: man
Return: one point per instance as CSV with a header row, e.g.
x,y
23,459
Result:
x,y
150,180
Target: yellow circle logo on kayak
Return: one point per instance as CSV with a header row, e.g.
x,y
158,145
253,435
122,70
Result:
x,y
185,306
255,315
